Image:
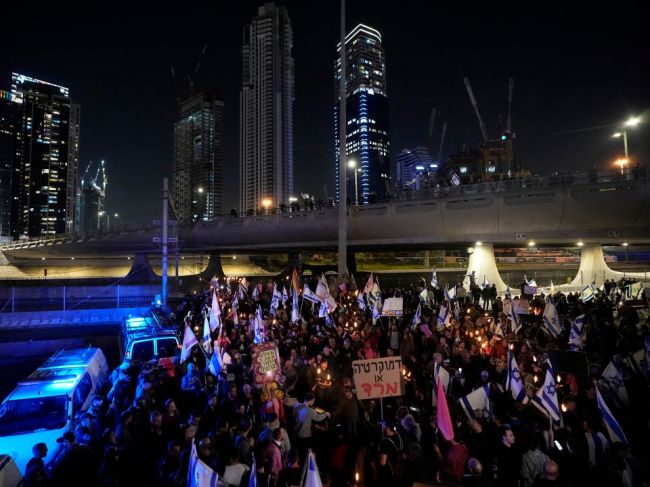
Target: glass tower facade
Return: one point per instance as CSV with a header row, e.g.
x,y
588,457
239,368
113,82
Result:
x,y
197,182
367,139
45,177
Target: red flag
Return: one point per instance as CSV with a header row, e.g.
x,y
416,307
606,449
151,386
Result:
x,y
443,418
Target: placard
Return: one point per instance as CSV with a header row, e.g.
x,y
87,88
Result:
x,y
521,306
393,307
266,363
378,377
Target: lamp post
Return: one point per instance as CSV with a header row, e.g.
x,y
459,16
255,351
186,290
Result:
x,y
632,122
352,164
266,204
199,203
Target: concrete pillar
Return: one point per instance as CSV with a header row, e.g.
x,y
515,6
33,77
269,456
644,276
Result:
x,y
483,264
214,267
593,268
141,270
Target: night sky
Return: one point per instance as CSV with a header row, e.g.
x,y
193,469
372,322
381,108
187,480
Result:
x,y
574,68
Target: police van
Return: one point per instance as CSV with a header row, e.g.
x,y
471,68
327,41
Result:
x,y
44,405
144,338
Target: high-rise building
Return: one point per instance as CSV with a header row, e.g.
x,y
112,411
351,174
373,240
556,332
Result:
x,y
266,110
197,182
413,166
367,140
10,110
45,182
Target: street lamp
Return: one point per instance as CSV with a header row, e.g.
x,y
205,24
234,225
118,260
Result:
x,y
352,164
199,203
266,204
632,122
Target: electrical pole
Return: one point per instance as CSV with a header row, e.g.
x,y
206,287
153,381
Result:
x,y
165,194
343,196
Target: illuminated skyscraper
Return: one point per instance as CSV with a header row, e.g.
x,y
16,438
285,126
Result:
x,y
10,111
367,137
197,183
266,110
45,181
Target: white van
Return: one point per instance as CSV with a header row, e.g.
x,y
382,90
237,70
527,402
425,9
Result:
x,y
42,407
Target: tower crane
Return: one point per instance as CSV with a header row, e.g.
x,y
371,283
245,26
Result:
x,y
432,121
511,89
442,141
475,105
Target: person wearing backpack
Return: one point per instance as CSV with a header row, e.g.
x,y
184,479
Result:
x,y
391,456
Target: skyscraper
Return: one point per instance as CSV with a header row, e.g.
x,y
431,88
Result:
x,y
45,182
413,165
198,158
367,140
266,110
10,110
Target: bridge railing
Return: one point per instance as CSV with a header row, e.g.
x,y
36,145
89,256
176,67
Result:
x,y
64,298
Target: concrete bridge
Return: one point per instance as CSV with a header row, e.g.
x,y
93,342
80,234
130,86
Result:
x,y
544,211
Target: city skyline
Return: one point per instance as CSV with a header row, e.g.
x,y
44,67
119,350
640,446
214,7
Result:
x,y
566,79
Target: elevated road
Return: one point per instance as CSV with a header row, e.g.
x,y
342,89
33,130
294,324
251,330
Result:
x,y
544,211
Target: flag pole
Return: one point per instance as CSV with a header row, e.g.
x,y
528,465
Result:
x,y
343,206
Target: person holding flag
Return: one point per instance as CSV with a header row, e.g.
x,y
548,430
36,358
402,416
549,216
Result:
x,y
576,337
514,381
189,342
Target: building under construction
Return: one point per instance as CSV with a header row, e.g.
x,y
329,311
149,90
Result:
x,y
494,159
94,217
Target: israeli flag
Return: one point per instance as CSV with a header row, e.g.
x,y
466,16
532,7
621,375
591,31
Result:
x,y
361,301
312,478
546,396
216,363
531,283
443,316
189,341
376,312
612,379
309,295
424,296
485,281
207,339
256,293
418,315
235,309
215,313
455,180
322,311
258,324
295,313
199,474
476,404
613,428
552,320
434,279
587,294
575,337
514,381
275,299
439,372
285,294
243,288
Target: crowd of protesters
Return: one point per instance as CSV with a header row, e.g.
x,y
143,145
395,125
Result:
x,y
141,431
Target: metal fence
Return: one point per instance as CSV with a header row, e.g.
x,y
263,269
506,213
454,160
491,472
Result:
x,y
62,298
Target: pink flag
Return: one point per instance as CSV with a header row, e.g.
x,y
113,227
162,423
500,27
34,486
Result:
x,y
442,417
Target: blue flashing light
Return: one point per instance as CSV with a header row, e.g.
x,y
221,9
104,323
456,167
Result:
x,y
503,137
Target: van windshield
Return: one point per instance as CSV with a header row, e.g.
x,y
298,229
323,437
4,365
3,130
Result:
x,y
38,413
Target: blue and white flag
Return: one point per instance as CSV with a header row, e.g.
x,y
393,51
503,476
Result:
x,y
243,288
322,311
546,396
309,295
439,372
256,293
199,474
551,319
587,294
508,292
275,299
295,313
424,296
613,428
434,279
455,180
443,316
575,337
285,295
252,481
323,293
215,312
612,379
485,281
235,309
215,365
207,338
418,315
476,404
376,311
258,324
189,341
312,477
361,301
514,381
531,283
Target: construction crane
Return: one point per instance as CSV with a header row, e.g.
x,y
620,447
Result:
x,y
101,167
511,88
475,105
432,121
442,141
